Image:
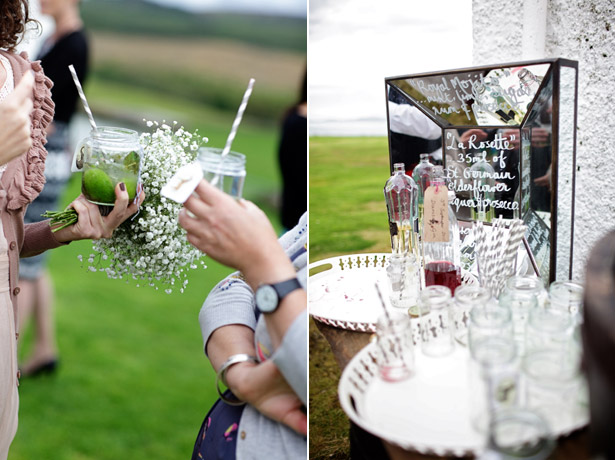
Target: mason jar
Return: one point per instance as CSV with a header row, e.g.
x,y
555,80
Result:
x,y
567,296
436,326
467,297
108,156
230,170
493,377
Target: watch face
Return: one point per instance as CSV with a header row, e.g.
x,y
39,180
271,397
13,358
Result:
x,y
266,298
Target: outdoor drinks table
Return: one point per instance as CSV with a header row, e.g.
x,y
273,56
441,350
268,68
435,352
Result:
x,y
348,337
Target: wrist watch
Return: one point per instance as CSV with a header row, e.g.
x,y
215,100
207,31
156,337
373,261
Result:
x,y
269,296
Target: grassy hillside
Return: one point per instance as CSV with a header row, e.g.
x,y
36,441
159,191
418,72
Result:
x,y
213,73
137,17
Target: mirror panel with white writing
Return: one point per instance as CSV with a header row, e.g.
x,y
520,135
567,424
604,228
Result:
x,y
490,97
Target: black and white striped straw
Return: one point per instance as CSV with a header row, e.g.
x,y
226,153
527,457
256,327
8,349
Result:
x,y
86,107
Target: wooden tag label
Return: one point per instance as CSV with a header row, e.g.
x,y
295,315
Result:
x,y
435,219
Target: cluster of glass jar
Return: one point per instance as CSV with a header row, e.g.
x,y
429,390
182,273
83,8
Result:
x,y
524,354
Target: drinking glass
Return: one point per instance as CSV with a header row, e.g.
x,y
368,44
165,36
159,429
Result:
x,y
493,374
231,170
549,329
395,354
552,386
567,296
108,156
522,294
488,321
402,273
467,297
436,326
516,434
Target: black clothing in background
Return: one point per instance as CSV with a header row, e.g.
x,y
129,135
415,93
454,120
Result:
x,y
69,49
292,156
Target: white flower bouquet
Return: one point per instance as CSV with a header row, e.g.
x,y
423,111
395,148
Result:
x,y
151,247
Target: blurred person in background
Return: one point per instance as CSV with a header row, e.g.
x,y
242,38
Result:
x,y
68,44
254,325
292,157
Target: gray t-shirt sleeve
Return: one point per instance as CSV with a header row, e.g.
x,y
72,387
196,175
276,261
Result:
x,y
291,356
230,302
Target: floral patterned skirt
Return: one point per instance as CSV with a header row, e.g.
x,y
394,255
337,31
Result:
x,y
217,439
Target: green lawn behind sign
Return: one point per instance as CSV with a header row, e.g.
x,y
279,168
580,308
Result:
x,y
347,215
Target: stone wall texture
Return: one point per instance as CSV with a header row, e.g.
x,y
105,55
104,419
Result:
x,y
582,30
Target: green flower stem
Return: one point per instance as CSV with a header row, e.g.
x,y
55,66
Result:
x,y
61,219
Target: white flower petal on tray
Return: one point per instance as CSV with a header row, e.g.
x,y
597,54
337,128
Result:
x,y
139,248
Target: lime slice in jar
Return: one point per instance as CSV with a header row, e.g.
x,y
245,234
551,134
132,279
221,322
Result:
x,y
98,186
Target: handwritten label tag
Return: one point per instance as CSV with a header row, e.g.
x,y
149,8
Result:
x,y
183,183
435,216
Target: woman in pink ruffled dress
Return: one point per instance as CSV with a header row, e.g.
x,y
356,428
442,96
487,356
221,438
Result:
x,y
26,109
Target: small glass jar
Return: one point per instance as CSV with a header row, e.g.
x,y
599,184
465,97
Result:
x,y
552,387
107,157
527,286
466,298
231,170
403,276
522,294
395,351
488,321
549,329
567,296
519,434
436,326
493,374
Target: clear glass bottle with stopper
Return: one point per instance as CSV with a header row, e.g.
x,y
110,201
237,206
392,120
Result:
x,y
401,195
440,235
422,176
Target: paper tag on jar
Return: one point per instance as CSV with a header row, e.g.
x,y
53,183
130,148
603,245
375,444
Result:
x,y
183,183
435,214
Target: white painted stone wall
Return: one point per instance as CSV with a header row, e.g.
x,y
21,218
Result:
x,y
582,30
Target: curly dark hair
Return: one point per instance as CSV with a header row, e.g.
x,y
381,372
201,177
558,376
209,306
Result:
x,y
14,15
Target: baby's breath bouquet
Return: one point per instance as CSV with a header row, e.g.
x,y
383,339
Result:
x,y
151,247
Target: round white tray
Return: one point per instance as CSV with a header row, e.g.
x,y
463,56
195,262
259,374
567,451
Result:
x,y
428,413
344,296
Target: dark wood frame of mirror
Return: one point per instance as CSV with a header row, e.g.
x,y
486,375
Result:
x,y
554,73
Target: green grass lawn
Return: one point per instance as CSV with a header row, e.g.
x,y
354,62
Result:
x,y
347,209
347,215
133,382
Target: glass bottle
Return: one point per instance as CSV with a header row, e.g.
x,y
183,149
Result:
x,y
482,175
401,195
422,176
528,83
440,236
501,102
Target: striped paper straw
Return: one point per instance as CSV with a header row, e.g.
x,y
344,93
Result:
x,y
82,96
231,136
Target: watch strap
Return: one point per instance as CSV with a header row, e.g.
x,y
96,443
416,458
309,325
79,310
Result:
x,y
286,287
